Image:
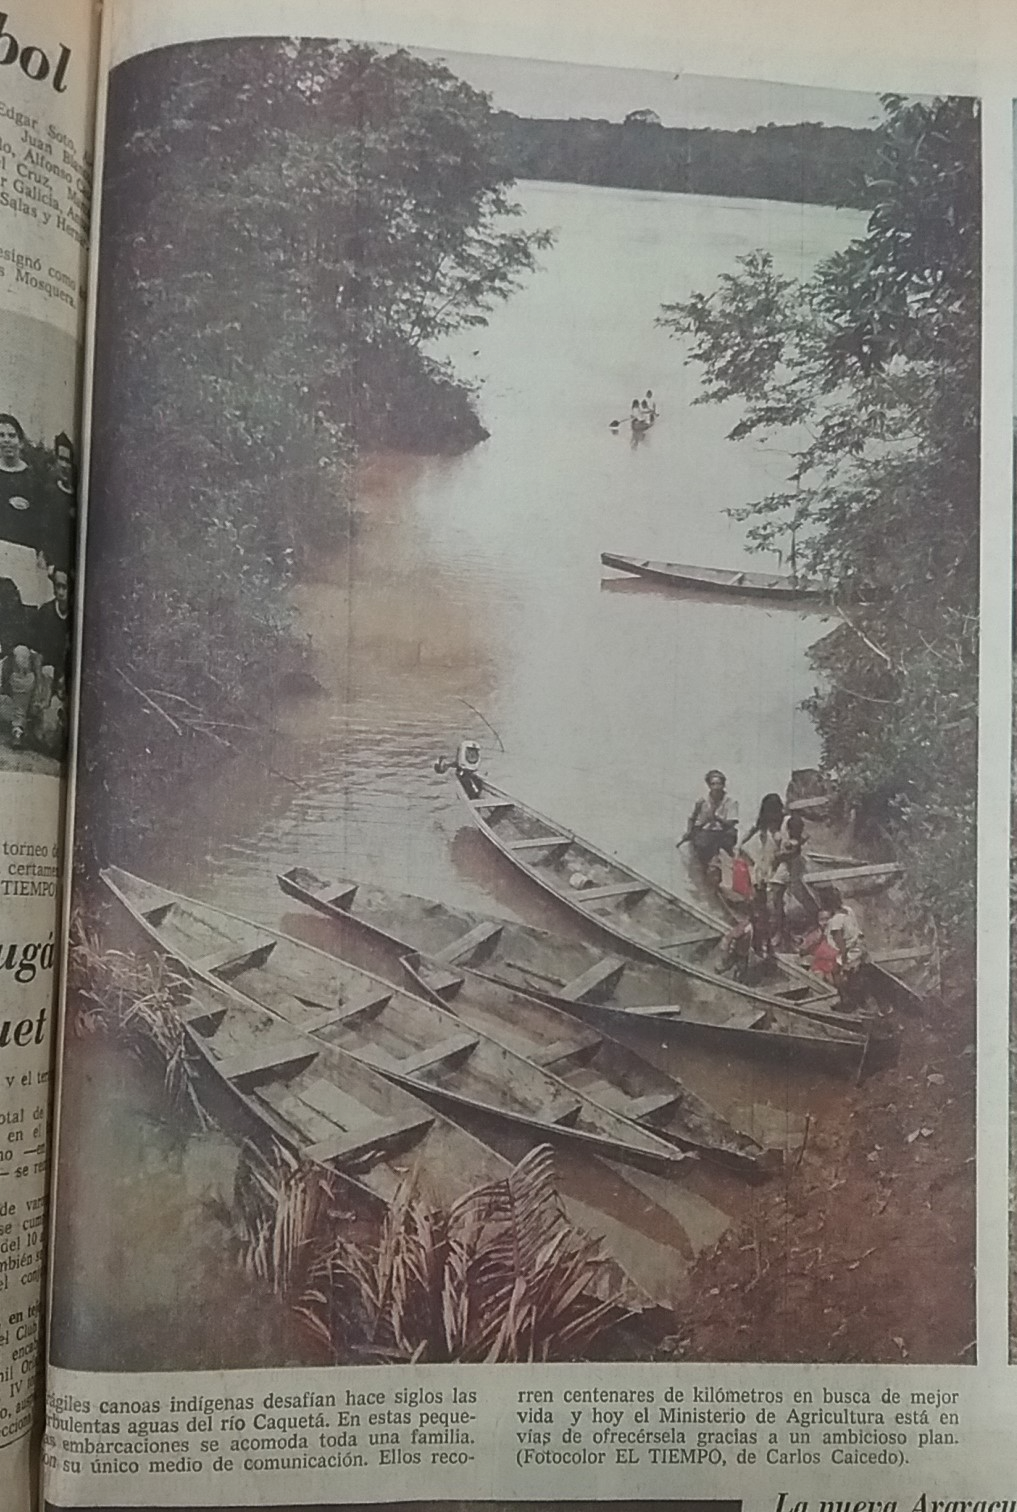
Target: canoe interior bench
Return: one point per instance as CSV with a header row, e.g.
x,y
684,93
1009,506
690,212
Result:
x,y
540,842
234,956
203,1014
603,973
483,933
810,805
748,1016
335,1103
342,898
269,1061
379,1134
641,1108
456,1047
902,957
565,1117
633,890
493,806
876,871
157,916
575,1049
365,1006
444,984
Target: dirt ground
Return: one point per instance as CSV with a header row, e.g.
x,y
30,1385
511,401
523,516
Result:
x,y
865,1249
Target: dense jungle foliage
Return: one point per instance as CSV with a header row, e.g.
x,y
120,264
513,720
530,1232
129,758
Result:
x,y
286,225
868,374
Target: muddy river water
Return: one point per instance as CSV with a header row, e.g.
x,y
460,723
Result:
x,y
472,602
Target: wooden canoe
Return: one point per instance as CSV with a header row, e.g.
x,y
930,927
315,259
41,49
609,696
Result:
x,y
756,585
328,1108
903,965
574,976
588,1061
408,1039
603,1069
615,900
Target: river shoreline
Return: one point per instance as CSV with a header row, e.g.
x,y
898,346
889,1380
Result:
x,y
882,1203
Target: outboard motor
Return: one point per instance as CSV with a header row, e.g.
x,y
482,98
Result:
x,y
468,757
468,768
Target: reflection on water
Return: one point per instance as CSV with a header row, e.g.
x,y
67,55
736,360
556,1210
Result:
x,y
470,602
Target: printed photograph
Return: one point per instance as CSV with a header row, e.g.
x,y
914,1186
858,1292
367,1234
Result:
x,y
38,418
526,796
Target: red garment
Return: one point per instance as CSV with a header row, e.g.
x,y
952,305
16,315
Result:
x,y
741,877
825,959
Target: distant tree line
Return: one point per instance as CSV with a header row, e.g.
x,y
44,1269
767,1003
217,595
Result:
x,y
810,163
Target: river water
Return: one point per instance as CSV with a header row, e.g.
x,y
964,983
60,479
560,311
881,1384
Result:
x,y
472,602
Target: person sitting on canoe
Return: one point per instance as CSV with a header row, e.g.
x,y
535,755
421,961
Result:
x,y
838,947
713,823
648,407
637,419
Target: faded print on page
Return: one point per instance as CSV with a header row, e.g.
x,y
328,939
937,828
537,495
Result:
x,y
531,985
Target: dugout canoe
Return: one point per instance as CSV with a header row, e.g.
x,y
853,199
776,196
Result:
x,y
406,1038
576,977
756,585
328,1108
617,901
590,1061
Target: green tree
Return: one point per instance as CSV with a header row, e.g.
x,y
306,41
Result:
x,y
286,228
868,374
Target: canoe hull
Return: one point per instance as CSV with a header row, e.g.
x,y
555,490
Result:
x,y
602,1068
743,585
612,910
529,960
504,1086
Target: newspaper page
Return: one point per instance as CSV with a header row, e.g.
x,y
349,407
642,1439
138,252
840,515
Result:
x,y
545,664
47,84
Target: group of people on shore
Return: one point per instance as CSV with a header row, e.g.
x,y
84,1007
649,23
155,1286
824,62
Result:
x,y
768,874
37,506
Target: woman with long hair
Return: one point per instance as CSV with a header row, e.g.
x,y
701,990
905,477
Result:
x,y
761,848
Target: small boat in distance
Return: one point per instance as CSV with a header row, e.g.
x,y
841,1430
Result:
x,y
765,585
579,978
